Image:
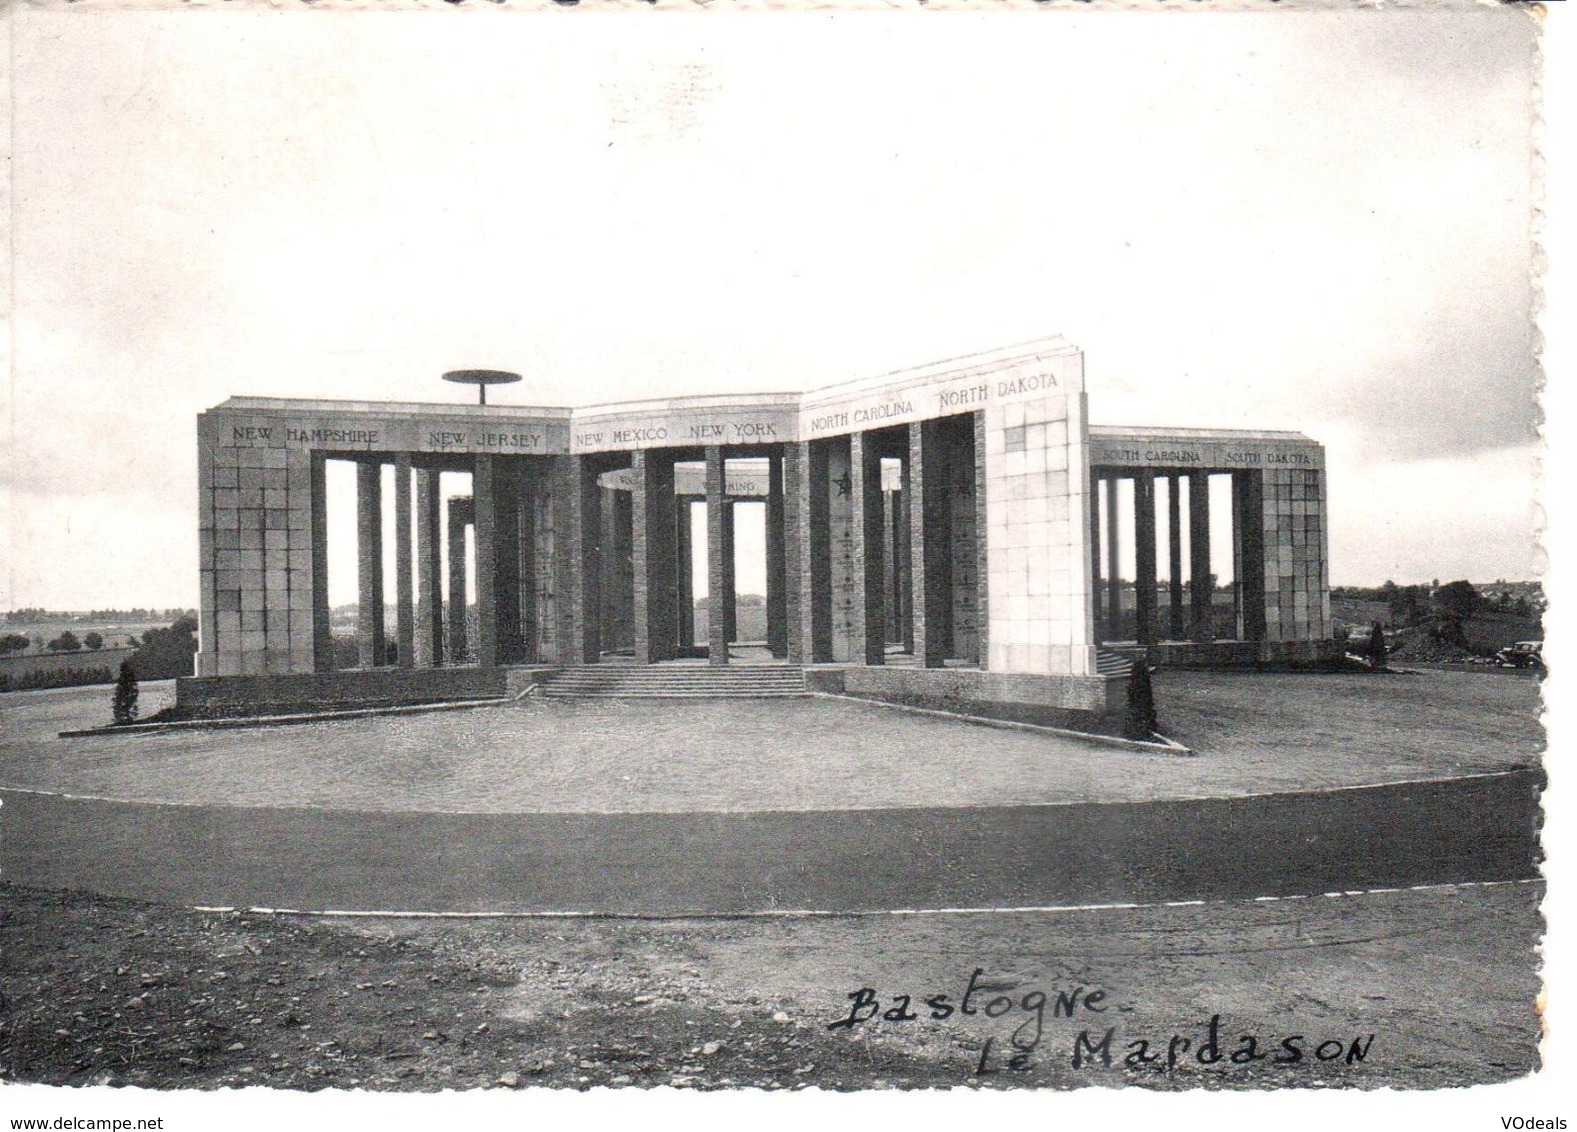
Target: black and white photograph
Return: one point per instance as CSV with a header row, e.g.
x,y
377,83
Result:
x,y
648,561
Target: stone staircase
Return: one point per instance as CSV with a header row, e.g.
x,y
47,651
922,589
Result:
x,y
676,681
1109,663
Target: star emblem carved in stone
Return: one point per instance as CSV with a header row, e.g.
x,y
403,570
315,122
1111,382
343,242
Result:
x,y
844,484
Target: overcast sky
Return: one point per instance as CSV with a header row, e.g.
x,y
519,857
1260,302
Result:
x,y
1310,221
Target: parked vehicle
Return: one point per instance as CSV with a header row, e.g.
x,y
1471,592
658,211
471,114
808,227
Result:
x,y
1523,654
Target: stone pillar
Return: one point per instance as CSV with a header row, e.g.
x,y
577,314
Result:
x,y
982,537
1200,597
777,567
404,599
574,491
610,565
1095,556
684,572
459,517
1114,592
369,564
1144,555
796,574
429,645
652,544
640,518
904,600
719,566
482,495
730,612
527,585
322,635
890,538
587,553
816,553
865,472
929,552
1251,573
1174,525
508,646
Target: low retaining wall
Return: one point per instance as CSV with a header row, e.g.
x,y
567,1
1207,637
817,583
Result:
x,y
1078,702
1236,654
1483,828
350,688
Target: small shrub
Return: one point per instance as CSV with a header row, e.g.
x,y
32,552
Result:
x,y
124,703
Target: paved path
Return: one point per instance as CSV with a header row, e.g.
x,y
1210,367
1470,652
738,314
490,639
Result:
x,y
1469,829
1254,734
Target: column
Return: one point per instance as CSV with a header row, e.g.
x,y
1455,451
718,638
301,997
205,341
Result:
x,y
777,566
429,645
982,548
586,553
816,553
459,517
640,518
527,584
1174,524
865,472
652,543
609,567
565,502
730,588
1095,554
404,599
1114,593
890,537
1199,596
719,566
684,567
796,575
929,552
322,636
904,600
508,646
1252,572
1144,555
369,564
486,522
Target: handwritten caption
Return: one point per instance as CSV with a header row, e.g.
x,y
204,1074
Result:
x,y
1094,1039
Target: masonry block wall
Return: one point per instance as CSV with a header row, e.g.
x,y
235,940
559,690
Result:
x,y
255,537
1297,590
1037,473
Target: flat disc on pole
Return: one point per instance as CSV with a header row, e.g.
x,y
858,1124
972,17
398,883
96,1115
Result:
x,y
482,376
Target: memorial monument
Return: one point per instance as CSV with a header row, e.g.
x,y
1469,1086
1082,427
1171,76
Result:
x,y
950,531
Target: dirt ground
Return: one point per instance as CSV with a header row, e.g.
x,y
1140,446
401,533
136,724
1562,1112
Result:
x,y
1432,988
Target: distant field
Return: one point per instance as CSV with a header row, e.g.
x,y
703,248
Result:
x,y
113,632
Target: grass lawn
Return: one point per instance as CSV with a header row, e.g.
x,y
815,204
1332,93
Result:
x,y
1253,733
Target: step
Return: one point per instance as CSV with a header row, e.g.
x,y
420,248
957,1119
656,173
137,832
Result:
x,y
676,681
1108,663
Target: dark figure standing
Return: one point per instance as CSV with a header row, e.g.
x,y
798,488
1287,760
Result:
x,y
1377,646
1141,722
